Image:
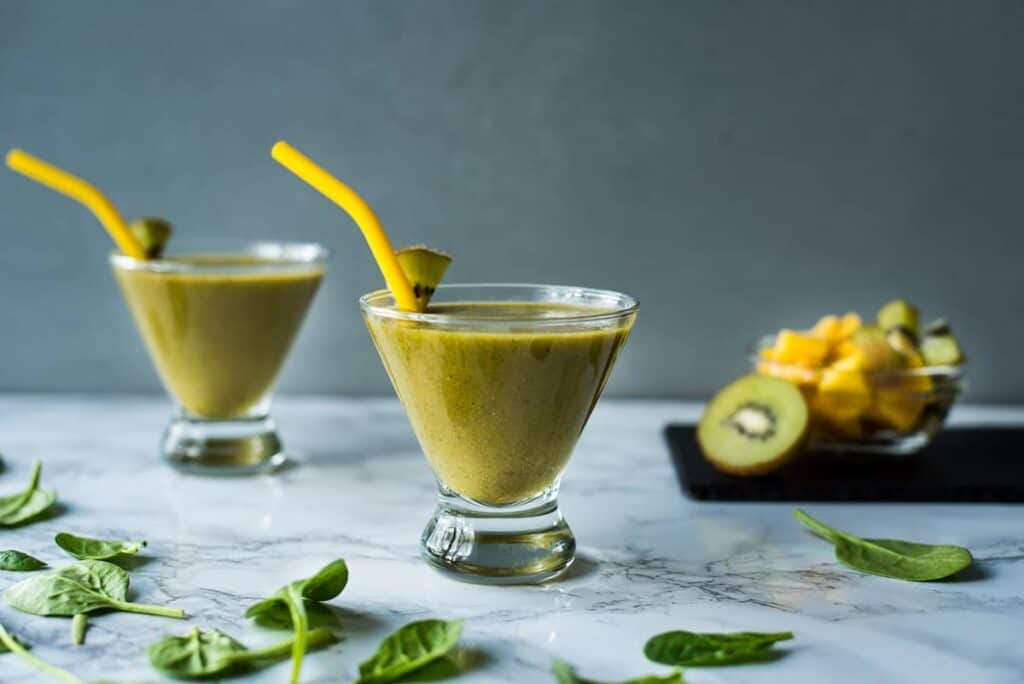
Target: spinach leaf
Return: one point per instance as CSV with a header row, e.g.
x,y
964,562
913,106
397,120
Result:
x,y
83,587
202,655
79,623
17,561
14,646
891,557
410,648
323,586
695,649
18,509
564,674
277,616
84,548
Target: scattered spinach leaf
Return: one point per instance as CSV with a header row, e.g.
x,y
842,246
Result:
x,y
323,586
408,649
14,646
18,561
82,587
79,623
23,507
564,674
203,655
84,548
891,557
277,616
710,648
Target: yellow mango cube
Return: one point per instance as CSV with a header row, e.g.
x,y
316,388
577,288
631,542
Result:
x,y
827,328
849,324
803,350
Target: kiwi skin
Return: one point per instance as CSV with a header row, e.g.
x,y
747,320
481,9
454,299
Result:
x,y
722,462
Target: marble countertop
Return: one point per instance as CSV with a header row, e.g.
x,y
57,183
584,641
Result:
x,y
650,560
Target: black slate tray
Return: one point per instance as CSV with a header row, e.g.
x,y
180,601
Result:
x,y
961,464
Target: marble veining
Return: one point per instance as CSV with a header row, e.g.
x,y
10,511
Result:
x,y
650,560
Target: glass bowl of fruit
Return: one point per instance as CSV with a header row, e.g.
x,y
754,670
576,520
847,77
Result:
x,y
884,386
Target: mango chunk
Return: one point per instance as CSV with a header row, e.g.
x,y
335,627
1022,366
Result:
x,y
849,324
896,409
804,350
827,328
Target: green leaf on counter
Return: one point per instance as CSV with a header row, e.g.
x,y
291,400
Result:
x,y
83,587
564,674
13,645
410,648
25,506
710,648
323,586
84,548
205,655
18,561
891,558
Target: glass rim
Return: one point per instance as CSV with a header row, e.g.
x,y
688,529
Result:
x,y
278,256
622,306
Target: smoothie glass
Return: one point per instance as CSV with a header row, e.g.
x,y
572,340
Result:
x,y
218,324
498,382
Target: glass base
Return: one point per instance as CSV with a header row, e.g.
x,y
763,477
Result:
x,y
240,446
525,543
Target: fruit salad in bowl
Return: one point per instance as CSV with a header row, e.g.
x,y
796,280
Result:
x,y
846,384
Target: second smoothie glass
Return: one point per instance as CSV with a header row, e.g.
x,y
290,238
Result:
x,y
218,321
498,382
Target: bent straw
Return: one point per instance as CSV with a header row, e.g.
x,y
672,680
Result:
x,y
77,189
356,207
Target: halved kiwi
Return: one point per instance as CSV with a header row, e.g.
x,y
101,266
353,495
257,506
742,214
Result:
x,y
753,426
424,267
153,233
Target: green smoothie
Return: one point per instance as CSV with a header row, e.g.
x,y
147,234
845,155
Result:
x,y
219,335
498,410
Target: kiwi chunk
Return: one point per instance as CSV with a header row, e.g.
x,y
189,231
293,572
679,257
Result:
x,y
898,314
153,233
939,347
424,267
754,425
904,343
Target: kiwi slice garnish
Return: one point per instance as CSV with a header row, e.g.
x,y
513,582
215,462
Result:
x,y
754,425
153,233
424,267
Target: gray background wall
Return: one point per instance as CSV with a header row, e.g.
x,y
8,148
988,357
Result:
x,y
736,165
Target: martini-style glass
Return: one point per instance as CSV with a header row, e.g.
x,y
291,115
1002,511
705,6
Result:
x,y
498,382
218,325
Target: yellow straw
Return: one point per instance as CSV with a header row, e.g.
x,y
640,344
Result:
x,y
356,207
76,188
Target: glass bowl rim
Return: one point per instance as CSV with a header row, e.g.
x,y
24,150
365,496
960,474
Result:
x,y
946,371
627,306
280,255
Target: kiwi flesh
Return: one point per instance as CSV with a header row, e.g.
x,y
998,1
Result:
x,y
939,347
905,344
898,313
754,425
153,232
424,268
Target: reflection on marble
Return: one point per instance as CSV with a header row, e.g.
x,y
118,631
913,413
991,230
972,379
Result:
x,y
650,560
